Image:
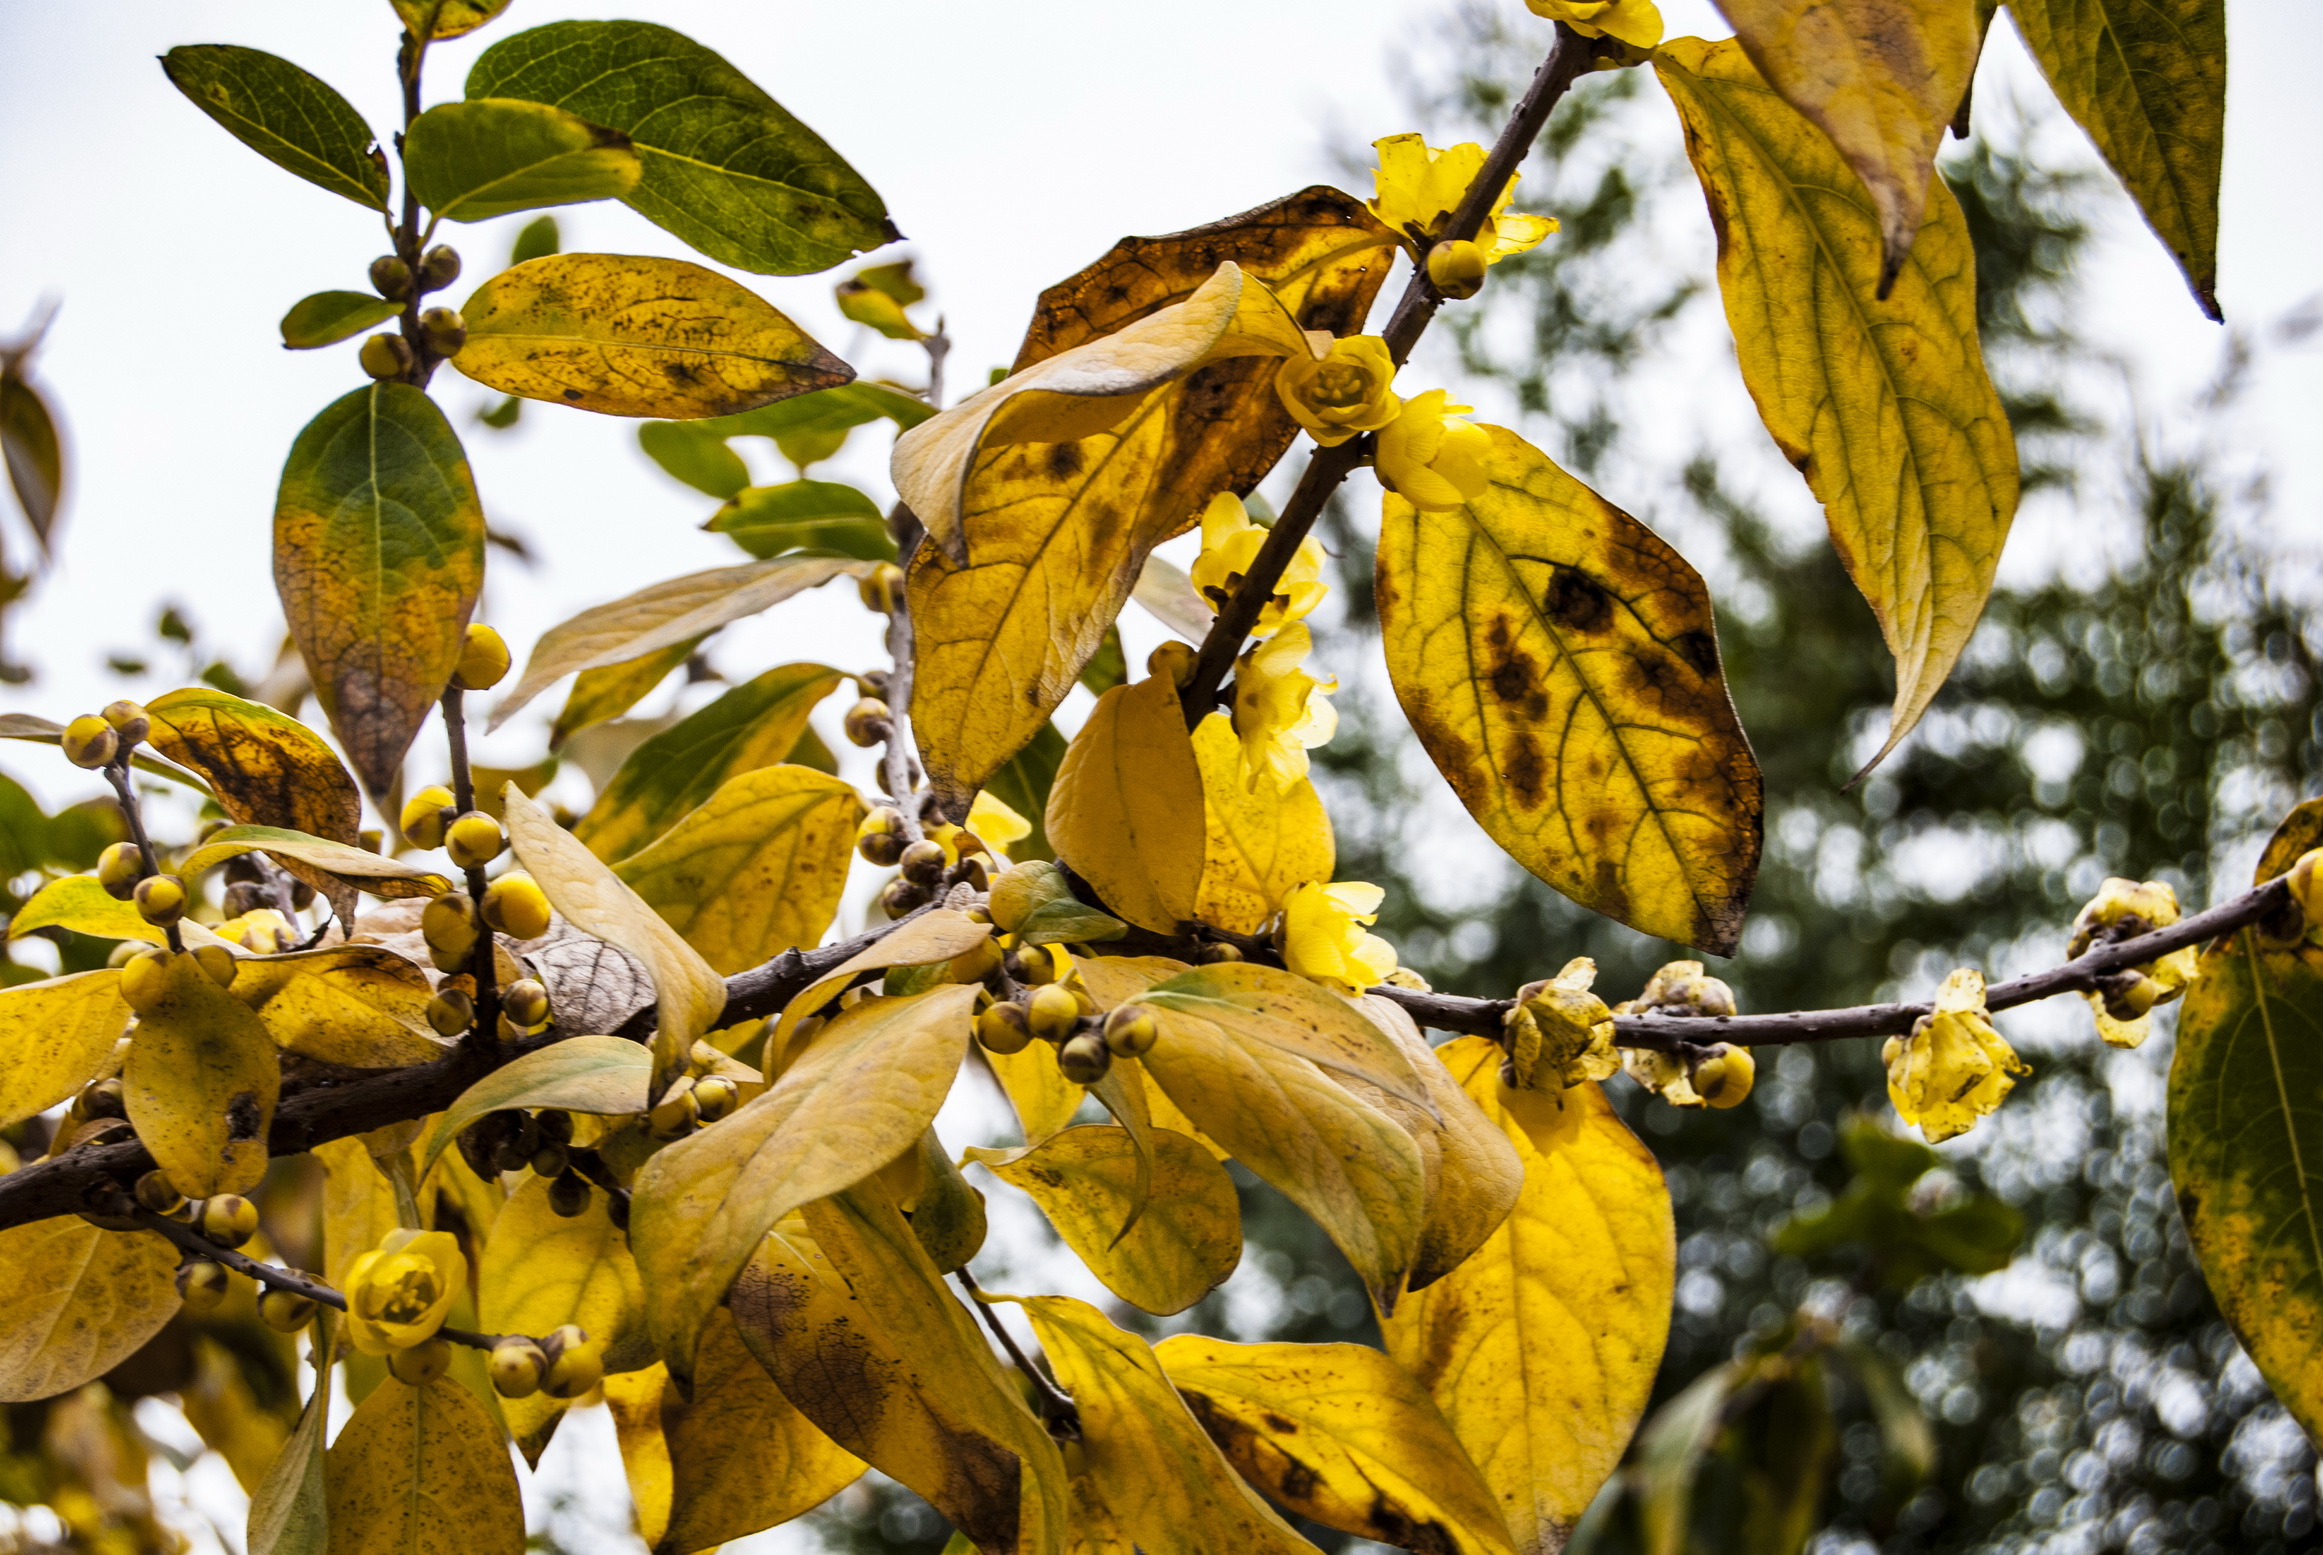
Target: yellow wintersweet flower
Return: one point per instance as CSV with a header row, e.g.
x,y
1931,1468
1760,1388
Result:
x,y
399,1293
1279,711
1346,390
1230,543
1430,459
1323,935
2122,909
1954,1067
1560,1033
996,823
1634,22
1416,188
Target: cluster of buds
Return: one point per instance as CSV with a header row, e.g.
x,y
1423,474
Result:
x,y
944,855
109,739
565,1365
442,329
541,1143
225,1220
1716,1075
2123,1000
1063,1015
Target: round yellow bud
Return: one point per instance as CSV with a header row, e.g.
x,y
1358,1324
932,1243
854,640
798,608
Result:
x,y
483,659
1724,1078
880,838
574,1365
1053,1013
1002,1029
676,1114
228,1220
119,868
446,332
202,1284
145,978
868,723
882,589
160,899
516,1365
391,277
1456,269
1174,661
157,1193
218,962
451,1012
715,1096
422,1364
129,721
525,1002
90,742
474,840
450,925
285,1311
385,356
1084,1058
1131,1030
103,1099
568,1195
439,267
517,907
924,862
1032,965
425,815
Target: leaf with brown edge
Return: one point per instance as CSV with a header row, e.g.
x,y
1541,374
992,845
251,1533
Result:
x,y
1884,407
1055,535
757,869
1342,1435
1475,1175
201,1082
1126,809
265,768
1259,843
1560,664
56,1036
844,1307
422,1471
76,1301
688,992
2147,80
1186,1242
628,335
378,557
1144,1456
363,1006
1881,78
858,1095
1541,1348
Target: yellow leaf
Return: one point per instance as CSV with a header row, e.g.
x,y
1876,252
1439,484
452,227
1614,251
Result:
x,y
603,1076
447,18
1051,537
1260,843
2148,82
55,1037
855,1324
358,1206
342,868
1541,1349
628,335
201,1082
741,1456
79,903
1883,406
1187,1241
854,1099
1347,1164
757,869
422,1471
1110,980
1474,1173
1037,1089
634,1400
75,1302
940,935
1560,664
613,689
1145,1458
688,991
1340,1434
265,768
1126,811
359,1005
541,1270
1267,1006
1882,78
378,558
218,1404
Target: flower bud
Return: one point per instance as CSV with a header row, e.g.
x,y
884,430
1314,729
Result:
x,y
451,927
868,723
386,356
483,656
525,1003
474,840
1723,1079
924,862
901,896
422,1364
2305,888
1053,1013
119,868
129,721
1032,965
881,589
391,277
446,332
201,1284
1173,661
439,267
574,1365
228,1219
285,1311
676,1114
451,1012
880,838
568,1194
160,899
157,1193
551,1159
515,905
1130,1031
1456,269
516,1365
425,815
145,977
1084,1058
1003,1029
103,1099
716,1096
218,962
90,742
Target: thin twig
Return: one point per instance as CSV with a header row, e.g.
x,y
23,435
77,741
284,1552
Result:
x,y
117,773
899,769
483,1031
1058,1411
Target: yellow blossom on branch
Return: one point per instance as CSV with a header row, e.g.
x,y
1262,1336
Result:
x,y
1634,22
1346,390
1954,1067
1429,458
2122,909
1560,1033
399,1293
1416,188
1323,935
1230,543
1279,709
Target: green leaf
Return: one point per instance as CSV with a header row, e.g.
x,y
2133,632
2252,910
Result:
x,y
292,119
725,167
812,427
805,516
752,726
607,693
1108,666
2147,80
34,454
2244,1139
483,158
326,318
287,1508
602,1076
537,239
692,453
378,557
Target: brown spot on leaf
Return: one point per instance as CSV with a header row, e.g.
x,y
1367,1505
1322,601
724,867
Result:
x,y
1577,602
243,1118
1064,460
1698,648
